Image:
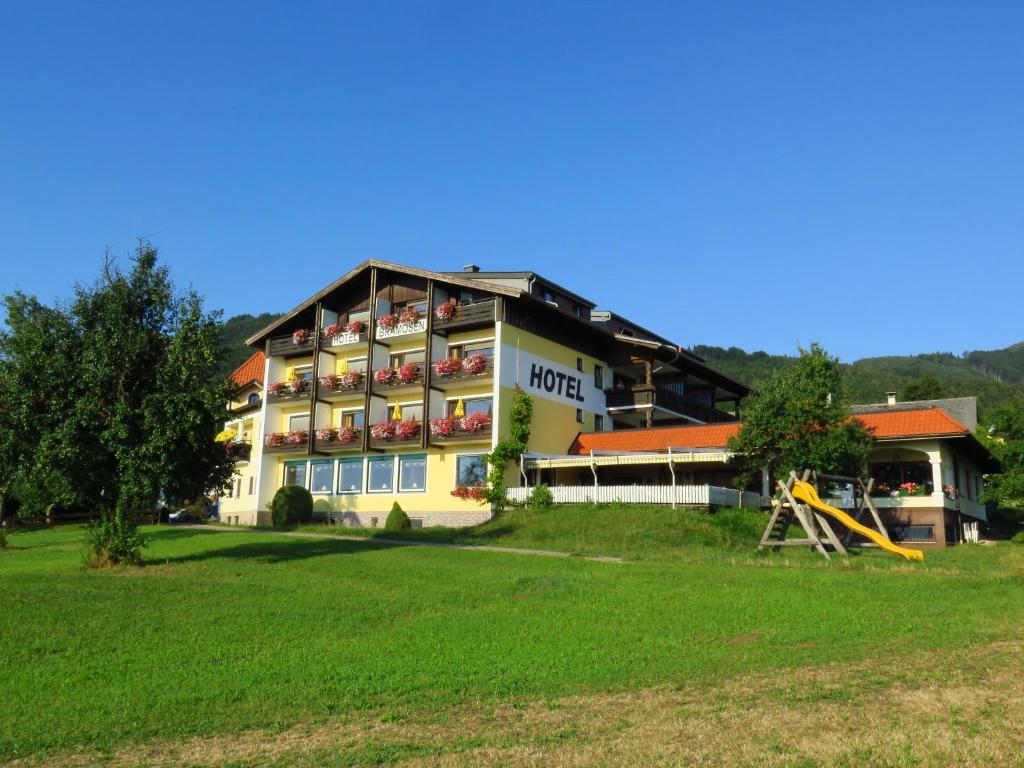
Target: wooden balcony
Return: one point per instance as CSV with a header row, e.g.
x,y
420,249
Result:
x,y
287,396
642,396
466,316
239,450
397,385
344,340
396,441
463,436
286,346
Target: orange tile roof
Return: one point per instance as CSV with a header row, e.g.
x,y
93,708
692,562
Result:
x,y
656,439
884,425
249,371
916,423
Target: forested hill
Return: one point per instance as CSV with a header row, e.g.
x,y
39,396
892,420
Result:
x,y
993,376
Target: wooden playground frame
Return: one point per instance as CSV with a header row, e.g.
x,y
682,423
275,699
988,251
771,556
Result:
x,y
820,533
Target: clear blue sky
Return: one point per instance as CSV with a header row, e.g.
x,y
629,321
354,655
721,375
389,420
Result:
x,y
751,174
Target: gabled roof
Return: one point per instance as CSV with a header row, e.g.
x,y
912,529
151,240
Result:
x,y
963,409
890,425
250,371
443,277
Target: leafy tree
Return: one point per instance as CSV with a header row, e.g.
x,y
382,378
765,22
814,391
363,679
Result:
x,y
928,387
1003,434
798,419
108,400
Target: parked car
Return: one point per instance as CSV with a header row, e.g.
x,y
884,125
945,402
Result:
x,y
183,515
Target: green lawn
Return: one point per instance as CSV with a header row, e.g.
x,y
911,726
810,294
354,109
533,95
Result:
x,y
228,632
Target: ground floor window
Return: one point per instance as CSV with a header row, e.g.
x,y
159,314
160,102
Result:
x,y
412,473
295,473
380,475
350,476
470,470
890,476
321,476
913,533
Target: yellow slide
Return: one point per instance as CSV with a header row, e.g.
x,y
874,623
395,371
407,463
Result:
x,y
805,492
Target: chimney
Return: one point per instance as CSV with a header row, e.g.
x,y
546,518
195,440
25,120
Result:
x,y
471,268
890,398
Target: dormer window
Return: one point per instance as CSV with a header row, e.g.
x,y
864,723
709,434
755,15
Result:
x,y
253,398
548,295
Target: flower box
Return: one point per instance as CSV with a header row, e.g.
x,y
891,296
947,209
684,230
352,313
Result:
x,y
409,316
445,312
301,336
387,322
385,375
475,364
912,489
407,430
384,430
408,373
335,382
444,426
274,439
476,422
326,435
355,327
474,492
296,437
293,387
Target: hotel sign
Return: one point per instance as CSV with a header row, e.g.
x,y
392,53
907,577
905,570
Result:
x,y
552,381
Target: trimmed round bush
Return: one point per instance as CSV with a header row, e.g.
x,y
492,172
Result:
x,y
397,519
292,505
1018,538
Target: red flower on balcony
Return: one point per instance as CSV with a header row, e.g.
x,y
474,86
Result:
x,y
277,388
475,364
407,373
347,435
387,322
384,430
295,386
476,422
445,312
409,316
330,382
444,426
385,375
296,437
274,439
326,435
332,330
300,336
350,380
448,366
355,327
407,430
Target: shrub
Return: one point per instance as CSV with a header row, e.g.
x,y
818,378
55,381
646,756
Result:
x,y
114,540
1018,538
292,505
541,498
397,519
3,538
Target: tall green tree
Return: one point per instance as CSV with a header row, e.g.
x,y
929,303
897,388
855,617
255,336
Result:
x,y
798,419
1003,434
109,399
927,387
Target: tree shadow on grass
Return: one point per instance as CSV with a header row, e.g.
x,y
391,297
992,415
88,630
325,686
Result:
x,y
280,550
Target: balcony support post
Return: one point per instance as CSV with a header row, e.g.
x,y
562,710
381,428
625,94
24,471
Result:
x,y
427,367
313,385
371,332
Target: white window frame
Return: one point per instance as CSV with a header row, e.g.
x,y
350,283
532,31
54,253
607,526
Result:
x,y
362,476
297,416
398,473
366,476
309,476
455,468
343,411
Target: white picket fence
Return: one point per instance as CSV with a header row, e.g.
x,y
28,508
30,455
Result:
x,y
688,495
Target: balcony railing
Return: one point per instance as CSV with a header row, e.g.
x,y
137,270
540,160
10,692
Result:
x,y
339,337
399,328
280,442
454,370
468,315
642,395
292,344
239,450
448,429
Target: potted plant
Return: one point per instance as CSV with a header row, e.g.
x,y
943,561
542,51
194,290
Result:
x,y
407,430
355,327
273,440
295,386
330,382
474,492
384,430
387,322
448,366
385,375
277,388
911,489
445,312
296,437
408,373
475,364
332,330
301,336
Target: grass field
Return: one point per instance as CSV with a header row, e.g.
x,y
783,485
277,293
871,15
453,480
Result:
x,y
248,648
